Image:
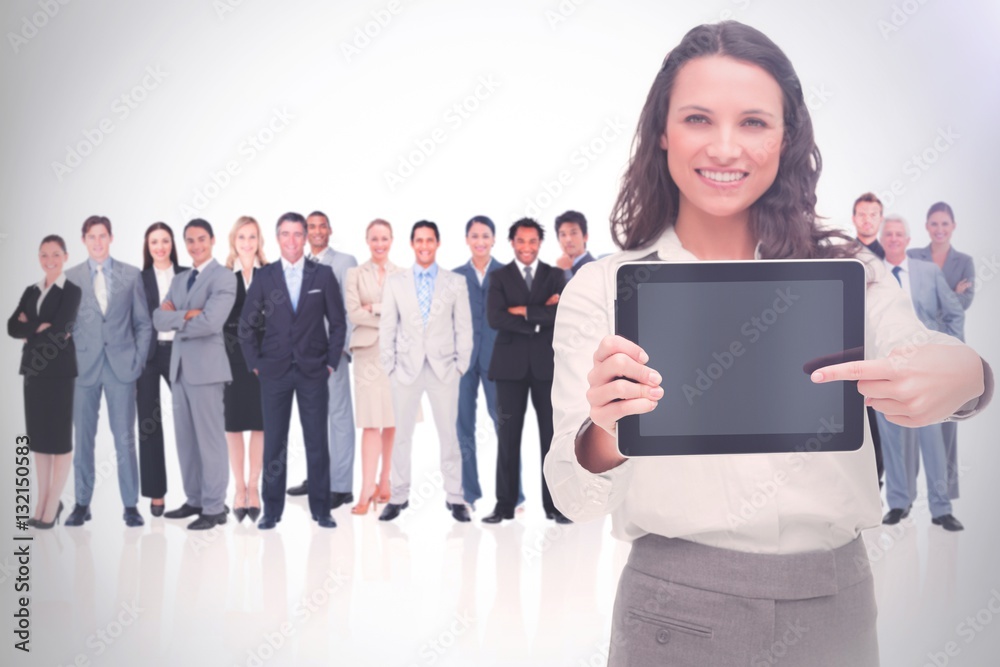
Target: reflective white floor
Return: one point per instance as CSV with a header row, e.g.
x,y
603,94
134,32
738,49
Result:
x,y
426,591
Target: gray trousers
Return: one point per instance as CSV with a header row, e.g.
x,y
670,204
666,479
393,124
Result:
x,y
681,603
949,431
341,429
443,396
200,430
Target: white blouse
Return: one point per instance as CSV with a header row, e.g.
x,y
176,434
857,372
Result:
x,y
760,503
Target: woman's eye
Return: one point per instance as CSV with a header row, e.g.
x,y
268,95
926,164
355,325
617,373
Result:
x,y
755,122
696,118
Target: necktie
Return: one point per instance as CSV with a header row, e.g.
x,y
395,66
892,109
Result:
x,y
294,281
191,277
424,297
527,276
101,290
896,270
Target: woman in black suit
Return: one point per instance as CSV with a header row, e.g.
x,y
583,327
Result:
x,y
242,395
43,319
159,266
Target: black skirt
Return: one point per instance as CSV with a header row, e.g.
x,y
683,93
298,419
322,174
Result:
x,y
48,414
242,396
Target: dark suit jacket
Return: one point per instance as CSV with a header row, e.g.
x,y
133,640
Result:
x,y
50,353
519,346
586,259
154,298
286,335
483,335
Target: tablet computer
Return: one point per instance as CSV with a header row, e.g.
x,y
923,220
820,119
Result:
x,y
735,343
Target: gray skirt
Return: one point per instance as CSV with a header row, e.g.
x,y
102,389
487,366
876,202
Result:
x,y
681,603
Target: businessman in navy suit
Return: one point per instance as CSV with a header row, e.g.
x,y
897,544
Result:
x,y
939,309
286,305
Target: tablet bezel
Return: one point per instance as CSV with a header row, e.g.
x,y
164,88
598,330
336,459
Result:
x,y
849,272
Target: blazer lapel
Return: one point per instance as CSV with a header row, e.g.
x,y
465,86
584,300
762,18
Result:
x,y
50,305
279,283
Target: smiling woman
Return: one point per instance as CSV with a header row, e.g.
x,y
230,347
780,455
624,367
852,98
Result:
x,y
725,168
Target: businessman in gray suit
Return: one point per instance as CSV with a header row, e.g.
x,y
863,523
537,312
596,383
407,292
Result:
x,y
112,333
425,339
341,409
939,309
196,308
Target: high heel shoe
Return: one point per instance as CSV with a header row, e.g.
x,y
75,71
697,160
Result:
x,y
50,524
253,511
362,507
239,512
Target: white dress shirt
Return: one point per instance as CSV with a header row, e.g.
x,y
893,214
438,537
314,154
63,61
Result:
x,y
163,280
904,274
61,280
759,503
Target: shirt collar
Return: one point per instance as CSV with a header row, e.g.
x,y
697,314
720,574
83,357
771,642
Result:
x,y
431,271
169,271
670,248
322,253
521,267
285,264
107,264
904,265
238,265
59,282
201,268
579,258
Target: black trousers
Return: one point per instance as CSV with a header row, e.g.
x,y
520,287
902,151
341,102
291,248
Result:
x,y
152,464
877,441
512,403
312,396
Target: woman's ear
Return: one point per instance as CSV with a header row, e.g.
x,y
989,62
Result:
x,y
663,140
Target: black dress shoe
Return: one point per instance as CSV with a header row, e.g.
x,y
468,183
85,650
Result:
x,y
894,516
460,513
497,516
267,523
338,498
300,490
948,522
207,521
132,517
325,521
79,514
391,511
182,512
156,510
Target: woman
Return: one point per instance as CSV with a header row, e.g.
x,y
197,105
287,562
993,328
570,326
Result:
x,y
725,168
242,395
960,272
159,266
373,394
43,319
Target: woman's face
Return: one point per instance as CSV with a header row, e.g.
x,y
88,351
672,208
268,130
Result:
x,y
52,259
160,246
940,226
246,240
723,135
379,241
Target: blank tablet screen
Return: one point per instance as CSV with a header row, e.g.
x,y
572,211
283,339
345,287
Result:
x,y
735,343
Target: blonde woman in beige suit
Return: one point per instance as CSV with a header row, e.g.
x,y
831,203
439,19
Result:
x,y
373,394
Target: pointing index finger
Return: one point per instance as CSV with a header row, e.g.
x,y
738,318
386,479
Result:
x,y
870,369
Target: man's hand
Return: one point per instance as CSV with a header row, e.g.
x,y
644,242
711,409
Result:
x,y
192,314
22,318
552,300
564,262
42,327
167,305
963,286
521,311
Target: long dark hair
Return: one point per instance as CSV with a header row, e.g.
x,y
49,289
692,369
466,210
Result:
x,y
783,219
147,258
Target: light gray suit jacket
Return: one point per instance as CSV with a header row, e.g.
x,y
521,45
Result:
x,y
935,303
339,262
122,333
199,343
446,342
957,267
